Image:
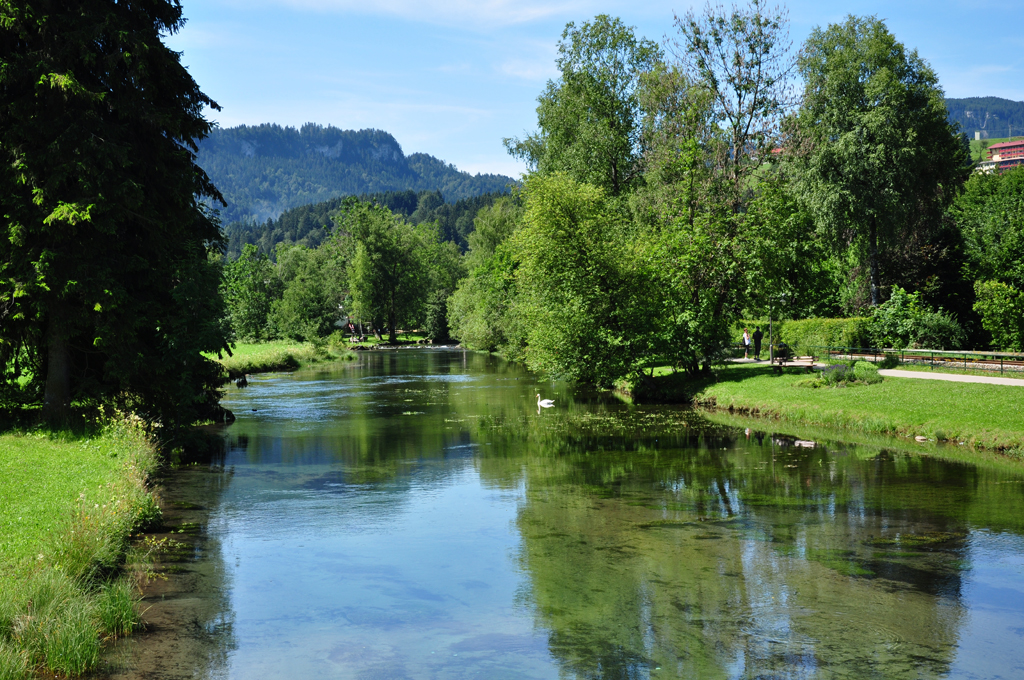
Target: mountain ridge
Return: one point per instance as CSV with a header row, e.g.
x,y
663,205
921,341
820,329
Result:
x,y
990,117
264,170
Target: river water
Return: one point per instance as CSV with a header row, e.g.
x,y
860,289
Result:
x,y
413,515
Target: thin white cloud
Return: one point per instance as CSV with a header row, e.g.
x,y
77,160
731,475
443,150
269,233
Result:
x,y
477,13
529,69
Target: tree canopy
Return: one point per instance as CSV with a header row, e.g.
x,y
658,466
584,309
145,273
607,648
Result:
x,y
873,145
390,271
589,118
105,283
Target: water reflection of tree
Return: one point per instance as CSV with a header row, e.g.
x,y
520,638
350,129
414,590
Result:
x,y
653,539
656,543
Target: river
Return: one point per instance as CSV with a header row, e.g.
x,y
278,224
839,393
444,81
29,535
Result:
x,y
413,514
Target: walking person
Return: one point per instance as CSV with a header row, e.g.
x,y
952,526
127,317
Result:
x,y
758,335
746,343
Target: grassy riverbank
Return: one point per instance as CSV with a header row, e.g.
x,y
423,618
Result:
x,y
987,416
278,355
68,505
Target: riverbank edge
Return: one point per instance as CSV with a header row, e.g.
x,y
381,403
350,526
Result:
x,y
246,358
837,420
948,451
83,589
668,387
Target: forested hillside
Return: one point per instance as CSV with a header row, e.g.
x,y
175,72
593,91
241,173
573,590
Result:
x,y
992,116
309,225
267,169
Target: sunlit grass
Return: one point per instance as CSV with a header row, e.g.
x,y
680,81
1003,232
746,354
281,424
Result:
x,y
69,505
979,414
278,355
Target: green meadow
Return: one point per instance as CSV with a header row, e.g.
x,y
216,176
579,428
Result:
x,y
68,576
986,416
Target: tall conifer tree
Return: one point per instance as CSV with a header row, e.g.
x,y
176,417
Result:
x,y
105,282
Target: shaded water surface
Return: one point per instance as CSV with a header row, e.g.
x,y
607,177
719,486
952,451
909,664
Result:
x,y
412,515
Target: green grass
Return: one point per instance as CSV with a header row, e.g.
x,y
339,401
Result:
x,y
405,338
68,505
278,355
979,147
988,416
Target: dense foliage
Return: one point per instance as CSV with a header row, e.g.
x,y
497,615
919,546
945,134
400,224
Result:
x,y
624,254
902,322
808,336
872,150
669,199
310,225
107,290
589,118
374,269
266,169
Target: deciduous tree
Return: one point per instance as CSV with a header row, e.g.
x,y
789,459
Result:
x,y
589,118
872,141
250,288
389,275
742,57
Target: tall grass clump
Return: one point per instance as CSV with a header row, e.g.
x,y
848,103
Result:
x,y
63,585
13,662
51,619
117,607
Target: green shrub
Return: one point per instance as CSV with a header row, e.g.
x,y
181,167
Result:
x,y
902,322
940,330
835,374
804,334
338,340
867,372
845,373
890,361
1002,314
807,333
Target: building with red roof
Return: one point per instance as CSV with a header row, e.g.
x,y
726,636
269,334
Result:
x,y
1003,156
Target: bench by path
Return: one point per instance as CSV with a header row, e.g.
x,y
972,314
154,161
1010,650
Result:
x,y
951,377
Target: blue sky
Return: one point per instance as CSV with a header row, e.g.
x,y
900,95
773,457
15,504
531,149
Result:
x,y
453,78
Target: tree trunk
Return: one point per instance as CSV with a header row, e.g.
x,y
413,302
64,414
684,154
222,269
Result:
x,y
392,333
873,261
57,391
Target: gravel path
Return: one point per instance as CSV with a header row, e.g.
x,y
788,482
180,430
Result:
x,y
895,373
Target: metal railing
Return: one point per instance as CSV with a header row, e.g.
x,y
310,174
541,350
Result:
x,y
982,361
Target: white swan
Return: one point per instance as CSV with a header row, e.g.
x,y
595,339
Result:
x,y
544,403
